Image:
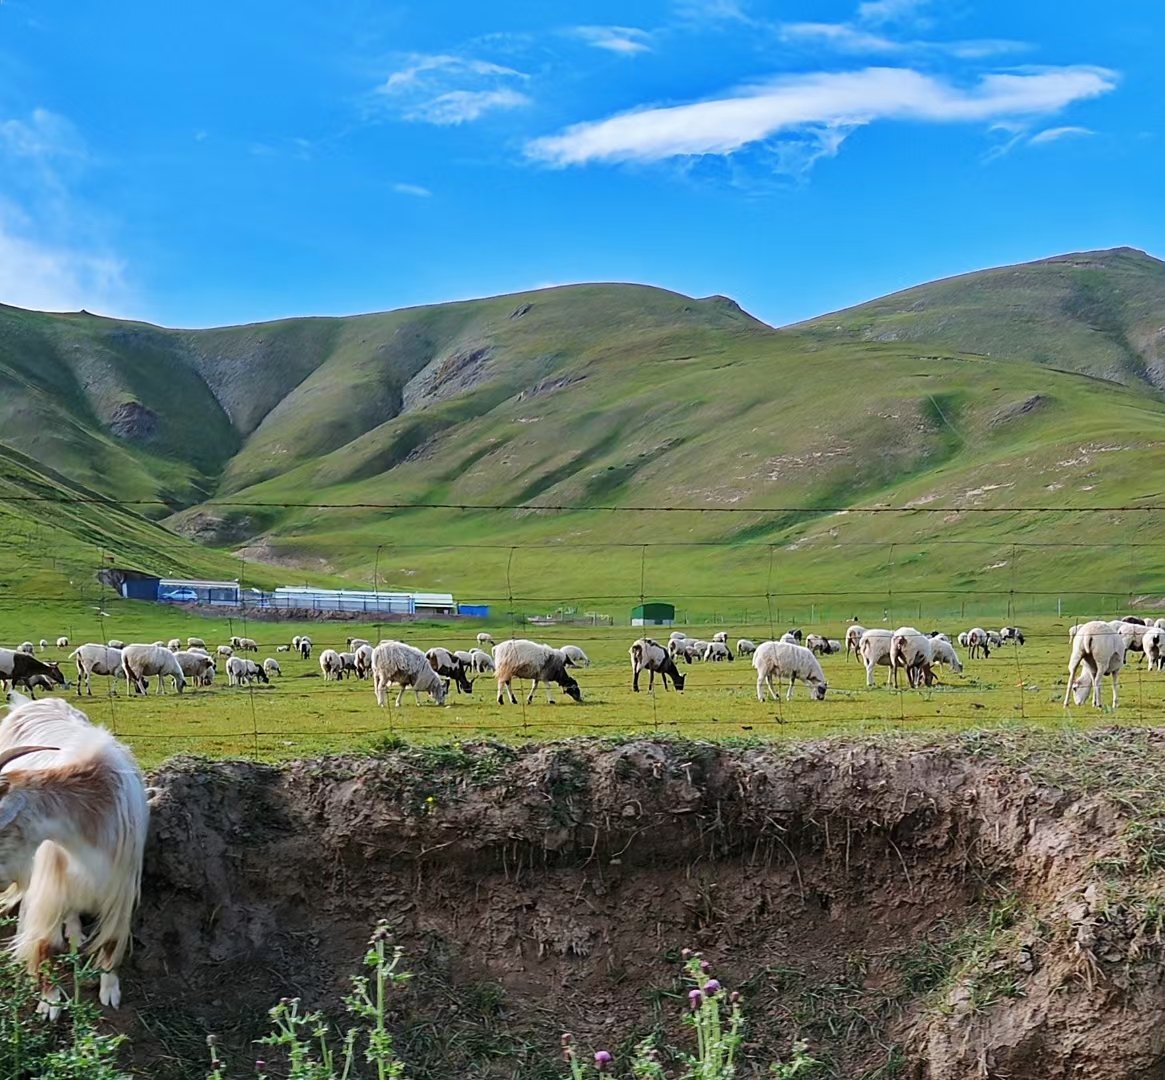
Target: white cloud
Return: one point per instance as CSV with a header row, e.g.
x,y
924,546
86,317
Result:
x,y
445,89
835,101
1052,134
883,11
712,11
462,106
840,36
414,190
625,40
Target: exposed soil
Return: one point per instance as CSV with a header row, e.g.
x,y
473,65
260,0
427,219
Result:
x,y
916,912
133,421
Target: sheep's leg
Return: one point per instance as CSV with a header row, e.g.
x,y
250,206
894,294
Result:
x,y
792,680
1114,676
400,696
530,696
635,678
1073,665
651,680
760,687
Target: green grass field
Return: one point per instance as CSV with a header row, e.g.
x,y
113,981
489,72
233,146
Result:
x,y
300,714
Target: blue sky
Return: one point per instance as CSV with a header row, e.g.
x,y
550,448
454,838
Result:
x,y
213,163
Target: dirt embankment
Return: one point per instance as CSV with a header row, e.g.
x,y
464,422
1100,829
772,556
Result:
x,y
927,913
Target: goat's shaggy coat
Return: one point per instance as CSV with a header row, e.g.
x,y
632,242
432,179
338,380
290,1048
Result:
x,y
73,826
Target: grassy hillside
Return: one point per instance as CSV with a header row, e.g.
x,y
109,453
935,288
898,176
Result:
x,y
1025,386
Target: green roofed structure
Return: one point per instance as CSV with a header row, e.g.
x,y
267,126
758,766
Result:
x,y
653,614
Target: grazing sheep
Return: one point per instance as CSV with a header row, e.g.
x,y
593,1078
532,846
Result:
x,y
676,635
331,664
853,635
74,816
26,647
247,644
1011,633
243,672
1100,649
190,643
978,642
821,645
38,682
912,653
355,642
717,651
96,659
1131,634
348,664
649,655
196,666
1136,620
790,638
785,660
962,639
745,647
938,635
1153,643
721,636
304,647
397,662
142,660
44,644
795,634
174,644
450,668
484,639
271,667
283,648
521,659
225,650
1159,624
576,657
236,641
19,667
874,650
685,648
62,642
363,661
481,661
943,652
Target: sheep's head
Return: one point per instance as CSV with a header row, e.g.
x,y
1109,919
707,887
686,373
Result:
x,y
437,689
819,690
571,687
55,673
679,680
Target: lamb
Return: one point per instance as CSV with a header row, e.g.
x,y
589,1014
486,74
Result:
x,y
782,659
648,655
745,647
1011,633
450,668
853,636
191,642
74,827
911,652
271,667
196,666
331,664
142,660
225,651
96,659
721,636
943,652
174,644
481,661
1099,649
62,642
19,667
397,662
716,651
576,657
1153,644
39,682
484,639
524,659
283,648
243,672
874,650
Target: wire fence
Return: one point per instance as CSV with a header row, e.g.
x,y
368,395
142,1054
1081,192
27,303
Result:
x,y
818,578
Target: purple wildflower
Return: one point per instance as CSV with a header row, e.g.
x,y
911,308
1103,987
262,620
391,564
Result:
x,y
705,967
711,987
602,1059
694,996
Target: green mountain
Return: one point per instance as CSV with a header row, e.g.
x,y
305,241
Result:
x,y
1031,386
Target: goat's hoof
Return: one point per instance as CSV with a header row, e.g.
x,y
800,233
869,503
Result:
x,y
110,992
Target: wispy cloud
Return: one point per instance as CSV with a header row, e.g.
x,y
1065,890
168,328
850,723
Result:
x,y
884,11
842,37
712,11
1052,134
447,89
415,190
50,255
834,102
624,40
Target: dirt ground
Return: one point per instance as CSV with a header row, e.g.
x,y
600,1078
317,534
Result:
x,y
912,911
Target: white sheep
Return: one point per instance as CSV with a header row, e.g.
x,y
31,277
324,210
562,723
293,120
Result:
x,y
191,642
745,646
522,659
1159,624
348,664
174,644
853,635
676,635
874,650
74,816
331,664
196,666
481,661
271,667
1153,643
355,642
405,665
721,636
26,647
450,668
363,661
62,642
789,637
943,652
783,659
1100,650
1011,633
717,651
44,644
283,648
225,651
243,672
116,643
962,639
911,652
484,639
94,659
304,647
576,656
142,660
649,655
978,642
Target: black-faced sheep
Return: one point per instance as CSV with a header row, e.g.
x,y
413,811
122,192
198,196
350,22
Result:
x,y
522,659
